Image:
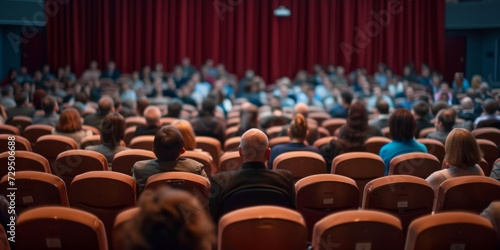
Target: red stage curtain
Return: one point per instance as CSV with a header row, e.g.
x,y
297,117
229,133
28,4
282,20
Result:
x,y
245,34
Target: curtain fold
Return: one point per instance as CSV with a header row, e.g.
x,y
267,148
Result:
x,y
245,34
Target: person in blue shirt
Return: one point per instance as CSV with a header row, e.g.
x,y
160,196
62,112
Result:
x,y
403,126
298,133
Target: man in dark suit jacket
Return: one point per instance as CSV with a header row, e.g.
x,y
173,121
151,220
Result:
x,y
421,112
207,124
111,72
153,123
105,106
382,120
50,108
21,108
254,150
168,147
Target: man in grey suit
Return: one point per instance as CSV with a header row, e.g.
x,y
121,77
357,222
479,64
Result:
x,y
21,108
382,120
50,108
168,147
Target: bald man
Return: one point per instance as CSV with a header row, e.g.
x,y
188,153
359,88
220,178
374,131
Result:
x,y
105,106
153,123
254,151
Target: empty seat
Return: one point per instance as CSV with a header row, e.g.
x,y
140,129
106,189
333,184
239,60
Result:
x,y
120,221
450,230
301,163
104,194
142,142
35,131
333,124
490,152
467,193
90,141
231,122
323,141
434,147
211,145
59,228
18,143
198,185
203,158
417,164
50,146
135,121
9,130
374,144
487,133
407,197
232,144
24,161
124,161
363,229
278,140
20,122
322,194
267,227
230,161
129,135
36,189
71,163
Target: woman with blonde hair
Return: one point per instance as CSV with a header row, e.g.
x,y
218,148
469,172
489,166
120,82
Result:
x,y
187,133
462,157
70,125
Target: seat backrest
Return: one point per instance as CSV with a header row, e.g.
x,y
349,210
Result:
x,y
450,230
135,121
230,161
168,120
50,146
323,141
230,132
9,130
36,189
211,145
278,140
232,144
490,152
92,129
145,142
231,122
467,193
405,196
255,197
203,158
24,161
487,133
319,117
35,131
20,122
323,132
270,227
104,194
424,132
333,124
434,147
90,141
374,144
417,164
125,160
492,213
4,242
358,229
71,163
198,185
274,132
60,227
129,135
14,142
120,221
301,163
322,194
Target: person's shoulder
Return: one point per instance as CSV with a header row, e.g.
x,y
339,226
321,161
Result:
x,y
189,162
144,163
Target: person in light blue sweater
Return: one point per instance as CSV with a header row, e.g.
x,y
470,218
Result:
x,y
402,126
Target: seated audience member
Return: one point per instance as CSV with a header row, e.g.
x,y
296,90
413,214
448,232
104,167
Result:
x,y
126,110
187,133
460,84
382,110
169,219
111,71
490,118
254,150
8,97
352,136
50,109
444,123
297,133
249,118
462,158
445,92
342,110
153,123
141,106
484,92
168,147
303,109
377,96
105,107
206,124
402,126
93,72
467,113
492,213
22,108
112,132
70,125
438,106
174,109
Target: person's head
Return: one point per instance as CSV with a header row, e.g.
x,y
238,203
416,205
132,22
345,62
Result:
x,y
111,65
462,150
382,107
298,128
466,103
21,99
142,104
49,105
169,219
208,107
346,98
168,144
112,129
152,115
93,65
81,97
254,146
186,61
445,119
402,125
357,117
484,88
7,91
476,80
438,106
105,105
69,121
187,133
490,106
459,78
301,108
174,108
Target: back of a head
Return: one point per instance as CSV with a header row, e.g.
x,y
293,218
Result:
x,y
208,107
169,219
48,105
438,106
301,108
20,99
346,97
253,146
142,104
105,105
447,117
467,103
7,90
358,116
298,127
152,115
187,133
174,108
461,149
81,97
402,125
112,129
382,107
490,106
69,121
168,143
